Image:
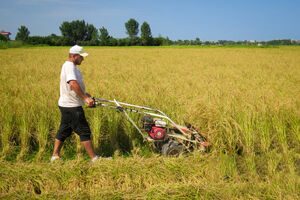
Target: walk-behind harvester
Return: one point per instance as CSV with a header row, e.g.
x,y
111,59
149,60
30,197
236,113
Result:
x,y
166,137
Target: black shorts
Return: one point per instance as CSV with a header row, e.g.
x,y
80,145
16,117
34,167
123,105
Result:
x,y
73,119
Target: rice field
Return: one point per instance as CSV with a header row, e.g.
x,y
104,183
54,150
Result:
x,y
245,100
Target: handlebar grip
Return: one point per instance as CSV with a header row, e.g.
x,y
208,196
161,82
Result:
x,y
97,103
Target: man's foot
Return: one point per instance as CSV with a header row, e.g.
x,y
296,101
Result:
x,y
53,158
99,157
95,158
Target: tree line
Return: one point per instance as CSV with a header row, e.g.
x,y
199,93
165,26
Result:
x,y
81,33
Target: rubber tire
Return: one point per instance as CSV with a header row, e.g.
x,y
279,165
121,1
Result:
x,y
172,148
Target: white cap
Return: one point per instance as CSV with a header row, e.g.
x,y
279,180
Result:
x,y
78,50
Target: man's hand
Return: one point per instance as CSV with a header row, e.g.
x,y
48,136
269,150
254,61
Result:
x,y
89,101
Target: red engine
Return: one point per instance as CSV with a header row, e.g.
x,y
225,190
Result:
x,y
157,133
155,127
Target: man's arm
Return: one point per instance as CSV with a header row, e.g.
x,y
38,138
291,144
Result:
x,y
86,97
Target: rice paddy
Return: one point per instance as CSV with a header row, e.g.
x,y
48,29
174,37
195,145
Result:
x,y
245,100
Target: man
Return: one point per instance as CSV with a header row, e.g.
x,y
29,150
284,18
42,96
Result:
x,y
72,97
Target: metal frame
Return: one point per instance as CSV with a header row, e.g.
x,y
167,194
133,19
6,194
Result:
x,y
124,107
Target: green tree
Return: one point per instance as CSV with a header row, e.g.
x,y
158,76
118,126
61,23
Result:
x,y
23,34
53,35
146,36
112,41
74,31
3,38
132,28
104,36
92,33
197,41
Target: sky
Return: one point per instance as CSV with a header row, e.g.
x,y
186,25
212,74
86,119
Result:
x,y
209,20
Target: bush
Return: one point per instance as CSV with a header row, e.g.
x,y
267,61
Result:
x,y
124,42
3,44
63,41
3,38
37,40
157,41
10,44
112,42
88,43
15,44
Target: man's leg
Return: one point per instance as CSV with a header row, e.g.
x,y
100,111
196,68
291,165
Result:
x,y
89,148
82,128
57,147
64,131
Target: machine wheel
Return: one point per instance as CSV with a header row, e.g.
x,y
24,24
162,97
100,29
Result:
x,y
172,148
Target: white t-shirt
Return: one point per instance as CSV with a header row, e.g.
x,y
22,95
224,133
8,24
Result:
x,y
68,98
